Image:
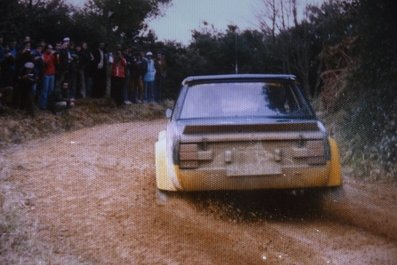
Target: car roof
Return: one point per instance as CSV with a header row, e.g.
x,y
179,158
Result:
x,y
235,78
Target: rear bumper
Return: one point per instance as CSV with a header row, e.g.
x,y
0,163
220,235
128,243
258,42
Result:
x,y
170,177
216,179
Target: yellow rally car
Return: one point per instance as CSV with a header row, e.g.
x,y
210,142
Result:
x,y
244,132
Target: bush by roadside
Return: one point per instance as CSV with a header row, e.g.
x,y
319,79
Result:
x,y
370,158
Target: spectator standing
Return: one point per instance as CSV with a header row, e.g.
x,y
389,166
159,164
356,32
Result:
x,y
129,95
37,54
48,82
99,72
138,69
109,62
149,77
74,62
26,82
84,61
161,74
64,59
79,73
8,70
118,77
23,57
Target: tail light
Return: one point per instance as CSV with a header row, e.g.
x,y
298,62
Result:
x,y
313,153
190,155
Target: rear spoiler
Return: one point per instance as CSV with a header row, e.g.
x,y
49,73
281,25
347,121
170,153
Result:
x,y
251,128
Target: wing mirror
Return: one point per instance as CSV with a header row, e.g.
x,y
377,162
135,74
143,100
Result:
x,y
168,113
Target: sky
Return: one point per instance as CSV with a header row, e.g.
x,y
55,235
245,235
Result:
x,y
183,16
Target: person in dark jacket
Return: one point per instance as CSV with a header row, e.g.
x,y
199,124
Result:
x,y
99,72
27,80
64,59
59,101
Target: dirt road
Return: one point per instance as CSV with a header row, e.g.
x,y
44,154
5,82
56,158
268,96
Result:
x,y
90,198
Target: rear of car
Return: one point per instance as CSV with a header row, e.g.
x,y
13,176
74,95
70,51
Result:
x,y
244,132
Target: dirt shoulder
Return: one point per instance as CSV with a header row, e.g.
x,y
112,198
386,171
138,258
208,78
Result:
x,y
17,127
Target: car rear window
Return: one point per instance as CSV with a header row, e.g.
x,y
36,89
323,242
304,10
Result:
x,y
244,99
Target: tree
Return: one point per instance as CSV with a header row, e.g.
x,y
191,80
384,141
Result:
x,y
276,16
123,19
49,20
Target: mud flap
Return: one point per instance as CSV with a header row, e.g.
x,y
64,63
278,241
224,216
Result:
x,y
163,180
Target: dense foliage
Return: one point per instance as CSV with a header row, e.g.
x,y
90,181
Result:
x,y
372,85
99,20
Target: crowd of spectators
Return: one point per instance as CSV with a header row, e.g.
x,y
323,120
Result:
x,y
44,76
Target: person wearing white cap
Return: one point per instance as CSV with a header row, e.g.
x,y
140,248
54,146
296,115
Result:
x,y
149,77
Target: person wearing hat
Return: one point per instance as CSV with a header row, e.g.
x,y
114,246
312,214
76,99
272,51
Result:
x,y
149,77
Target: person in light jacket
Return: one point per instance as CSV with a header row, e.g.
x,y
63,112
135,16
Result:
x,y
149,78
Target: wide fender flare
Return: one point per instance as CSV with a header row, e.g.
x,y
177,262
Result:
x,y
335,173
163,177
